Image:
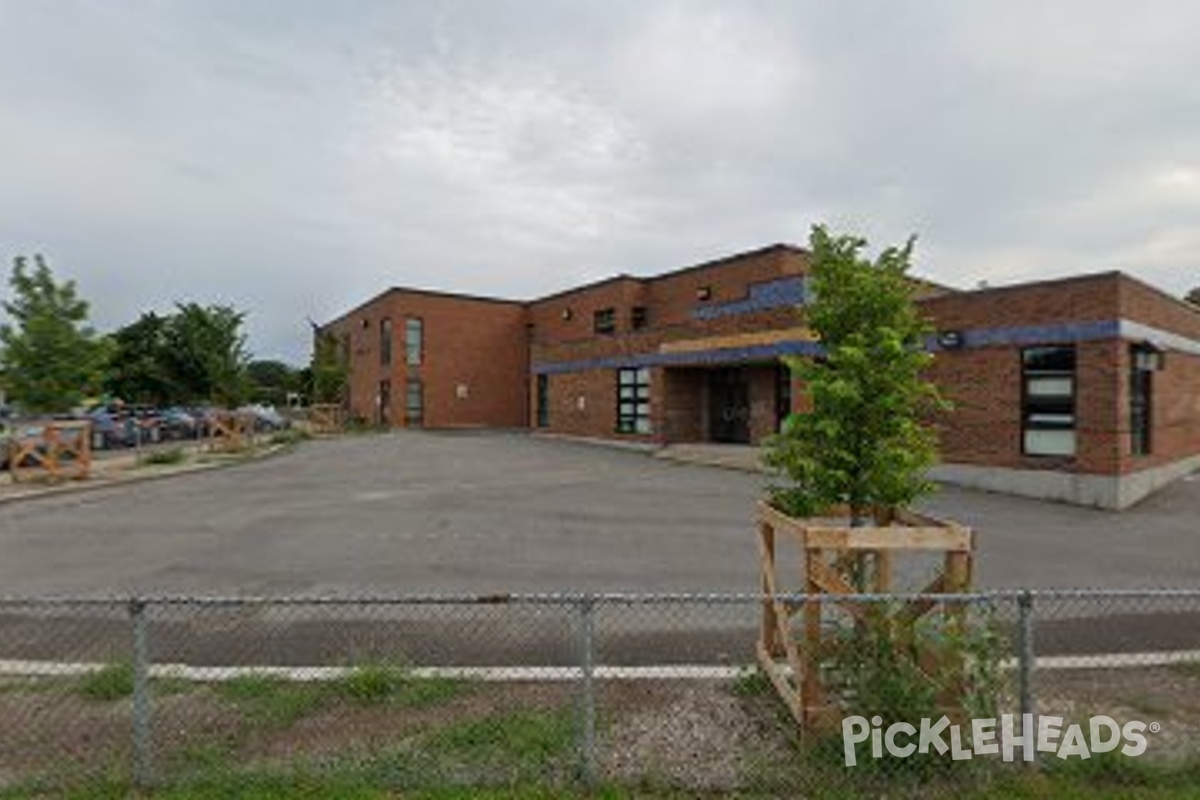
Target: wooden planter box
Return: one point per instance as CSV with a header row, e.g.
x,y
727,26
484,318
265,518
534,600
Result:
x,y
828,546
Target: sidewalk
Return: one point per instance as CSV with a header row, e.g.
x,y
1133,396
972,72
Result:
x,y
744,457
125,468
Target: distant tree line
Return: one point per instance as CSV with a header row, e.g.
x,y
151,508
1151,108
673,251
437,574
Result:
x,y
53,359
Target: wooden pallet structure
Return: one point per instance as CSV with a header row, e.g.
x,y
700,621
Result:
x,y
51,451
829,550
326,418
230,431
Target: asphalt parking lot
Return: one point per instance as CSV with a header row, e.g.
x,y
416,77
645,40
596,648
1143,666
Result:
x,y
492,513
498,512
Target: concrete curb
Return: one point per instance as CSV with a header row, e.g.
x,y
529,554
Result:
x,y
100,484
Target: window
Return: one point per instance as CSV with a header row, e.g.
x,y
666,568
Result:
x,y
704,293
633,400
1048,401
414,403
385,403
413,341
638,318
783,394
385,342
543,401
1141,375
605,320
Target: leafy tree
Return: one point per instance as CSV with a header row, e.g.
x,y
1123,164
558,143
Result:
x,y
270,381
865,443
328,369
138,369
50,356
205,353
1193,296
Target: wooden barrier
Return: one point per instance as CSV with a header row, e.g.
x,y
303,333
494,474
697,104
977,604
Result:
x,y
230,431
830,551
326,418
53,451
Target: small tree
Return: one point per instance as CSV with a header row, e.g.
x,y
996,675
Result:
x,y
50,356
1193,296
328,369
866,442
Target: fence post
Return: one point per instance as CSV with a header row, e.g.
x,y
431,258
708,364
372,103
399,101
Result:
x,y
587,690
1026,655
142,763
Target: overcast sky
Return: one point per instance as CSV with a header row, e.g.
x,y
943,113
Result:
x,y
293,158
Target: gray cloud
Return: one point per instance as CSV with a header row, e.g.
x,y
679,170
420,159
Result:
x,y
292,158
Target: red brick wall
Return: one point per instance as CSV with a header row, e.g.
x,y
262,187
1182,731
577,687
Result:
x,y
1149,306
478,344
1087,299
669,300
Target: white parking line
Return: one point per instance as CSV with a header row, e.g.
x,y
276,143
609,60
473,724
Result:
x,y
42,669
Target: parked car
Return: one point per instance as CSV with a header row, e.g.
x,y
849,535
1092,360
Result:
x,y
178,423
110,428
266,418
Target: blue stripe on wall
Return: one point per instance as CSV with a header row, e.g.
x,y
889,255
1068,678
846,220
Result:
x,y
984,337
762,297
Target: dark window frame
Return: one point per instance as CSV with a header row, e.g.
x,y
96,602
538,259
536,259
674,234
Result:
x,y
639,318
783,394
542,401
385,402
1141,403
414,418
604,321
1031,405
385,342
408,346
630,408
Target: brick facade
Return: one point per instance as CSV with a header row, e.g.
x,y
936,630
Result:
x,y
712,338
473,364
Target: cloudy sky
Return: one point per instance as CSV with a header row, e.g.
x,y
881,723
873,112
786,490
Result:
x,y
293,157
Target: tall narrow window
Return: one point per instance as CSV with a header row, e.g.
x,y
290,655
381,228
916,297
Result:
x,y
1141,393
414,403
385,403
783,394
543,401
414,344
633,400
1048,401
638,318
385,342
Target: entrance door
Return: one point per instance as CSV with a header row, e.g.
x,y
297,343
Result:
x,y
729,407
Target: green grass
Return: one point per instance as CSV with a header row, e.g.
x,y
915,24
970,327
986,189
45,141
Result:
x,y
370,684
1188,669
270,701
751,683
538,736
110,682
524,740
163,458
290,436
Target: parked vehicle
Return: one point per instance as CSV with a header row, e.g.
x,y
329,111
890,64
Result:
x,y
178,423
110,428
266,418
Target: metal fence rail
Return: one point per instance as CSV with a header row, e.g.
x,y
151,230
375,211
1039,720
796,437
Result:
x,y
560,689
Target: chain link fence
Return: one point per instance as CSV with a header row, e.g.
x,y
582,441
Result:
x,y
644,692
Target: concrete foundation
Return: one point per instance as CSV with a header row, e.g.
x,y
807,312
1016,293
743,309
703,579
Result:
x,y
1100,491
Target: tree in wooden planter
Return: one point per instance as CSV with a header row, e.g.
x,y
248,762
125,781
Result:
x,y
847,470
